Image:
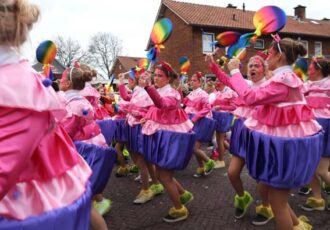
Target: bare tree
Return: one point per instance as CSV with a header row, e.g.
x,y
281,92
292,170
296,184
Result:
x,y
69,50
104,48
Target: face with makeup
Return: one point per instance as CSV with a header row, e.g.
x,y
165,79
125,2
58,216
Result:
x,y
195,82
314,73
160,78
256,70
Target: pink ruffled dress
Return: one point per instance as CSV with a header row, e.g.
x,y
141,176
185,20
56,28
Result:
x,y
167,140
89,140
223,116
139,103
42,177
199,111
282,139
317,94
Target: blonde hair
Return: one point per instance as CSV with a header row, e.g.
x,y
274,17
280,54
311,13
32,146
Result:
x,y
16,20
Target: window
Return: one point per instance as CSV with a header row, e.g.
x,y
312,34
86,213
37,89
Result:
x,y
305,43
259,44
318,48
208,38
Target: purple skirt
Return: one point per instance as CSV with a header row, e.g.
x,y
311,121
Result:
x,y
74,216
169,150
223,121
135,139
100,159
325,123
108,128
282,162
236,139
121,133
203,128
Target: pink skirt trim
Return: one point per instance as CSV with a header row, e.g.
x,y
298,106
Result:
x,y
151,127
35,197
303,129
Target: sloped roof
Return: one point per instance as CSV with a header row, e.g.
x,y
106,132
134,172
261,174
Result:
x,y
56,67
214,16
126,63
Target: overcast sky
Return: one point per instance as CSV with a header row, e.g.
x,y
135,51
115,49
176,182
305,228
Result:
x,y
130,20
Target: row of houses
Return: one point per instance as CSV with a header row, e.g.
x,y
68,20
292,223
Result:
x,y
195,26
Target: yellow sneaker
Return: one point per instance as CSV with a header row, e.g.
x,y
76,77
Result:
x,y
264,215
144,196
122,171
175,215
303,224
313,204
219,164
199,172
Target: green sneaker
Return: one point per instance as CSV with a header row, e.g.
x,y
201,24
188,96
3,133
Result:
x,y
103,206
328,204
313,204
125,152
176,215
186,197
209,166
133,169
157,189
242,204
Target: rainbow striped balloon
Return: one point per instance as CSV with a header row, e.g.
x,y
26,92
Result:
x,y
268,20
161,31
228,38
300,68
235,51
184,64
46,52
143,63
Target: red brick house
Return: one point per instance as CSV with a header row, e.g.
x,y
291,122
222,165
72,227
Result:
x,y
195,26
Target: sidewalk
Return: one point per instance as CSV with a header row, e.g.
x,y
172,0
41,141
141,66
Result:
x,y
212,207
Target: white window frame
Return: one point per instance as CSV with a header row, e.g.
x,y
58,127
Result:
x,y
320,43
259,47
207,44
305,43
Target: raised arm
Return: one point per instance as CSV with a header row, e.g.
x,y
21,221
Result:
x,y
162,102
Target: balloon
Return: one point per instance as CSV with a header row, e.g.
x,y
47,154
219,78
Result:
x,y
268,20
228,38
184,64
46,52
161,31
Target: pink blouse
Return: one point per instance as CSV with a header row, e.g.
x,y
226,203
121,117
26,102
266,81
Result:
x,y
166,113
139,104
197,103
317,94
282,109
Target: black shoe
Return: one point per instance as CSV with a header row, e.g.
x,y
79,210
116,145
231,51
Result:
x,y
305,191
261,220
239,213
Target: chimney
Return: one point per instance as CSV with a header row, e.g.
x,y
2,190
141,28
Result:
x,y
300,12
231,6
243,7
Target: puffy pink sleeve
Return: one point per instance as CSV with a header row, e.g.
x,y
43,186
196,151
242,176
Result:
x,y
162,102
220,74
123,93
20,133
272,93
